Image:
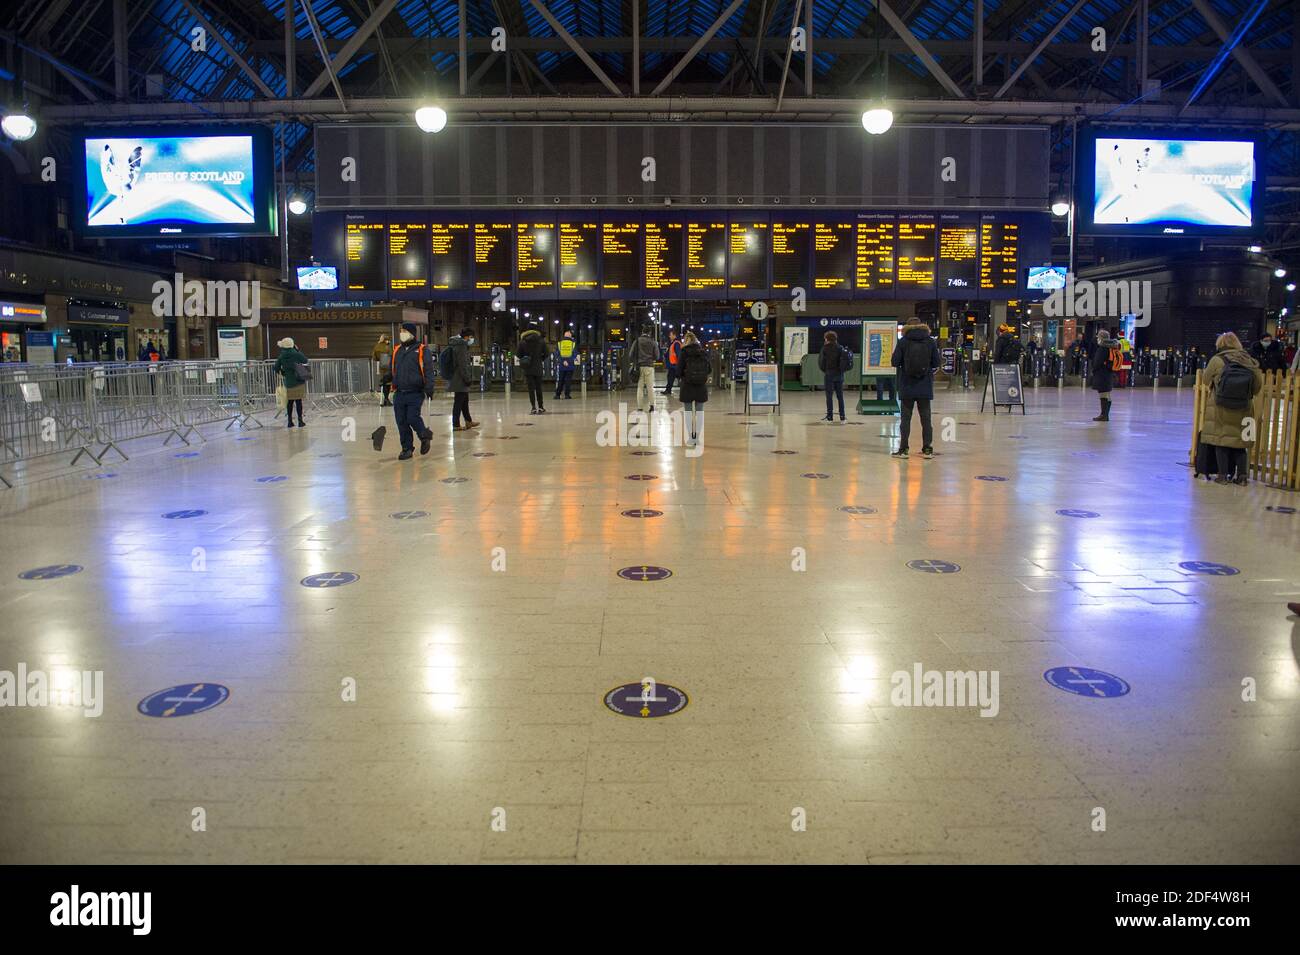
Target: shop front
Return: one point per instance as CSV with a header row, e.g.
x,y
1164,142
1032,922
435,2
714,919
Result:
x,y
98,331
19,321
337,332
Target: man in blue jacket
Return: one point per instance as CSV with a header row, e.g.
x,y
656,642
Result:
x,y
414,369
916,358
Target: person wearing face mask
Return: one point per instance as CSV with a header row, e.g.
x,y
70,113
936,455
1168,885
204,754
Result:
x,y
459,371
413,377
1268,353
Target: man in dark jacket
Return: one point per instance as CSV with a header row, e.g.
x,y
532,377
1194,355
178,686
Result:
x,y
916,358
532,356
1269,353
1007,349
413,373
1103,376
832,369
461,376
644,353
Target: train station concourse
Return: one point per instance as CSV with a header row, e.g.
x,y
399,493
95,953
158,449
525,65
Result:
x,y
770,432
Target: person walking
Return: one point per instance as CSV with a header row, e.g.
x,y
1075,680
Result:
x,y
644,354
834,361
567,358
413,378
916,358
289,364
1235,381
673,362
455,365
694,392
532,356
382,356
1268,353
1105,358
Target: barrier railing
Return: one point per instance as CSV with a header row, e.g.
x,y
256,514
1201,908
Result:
x,y
1274,458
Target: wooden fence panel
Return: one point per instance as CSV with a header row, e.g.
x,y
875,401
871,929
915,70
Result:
x,y
1275,455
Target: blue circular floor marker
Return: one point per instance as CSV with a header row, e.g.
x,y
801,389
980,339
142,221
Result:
x,y
453,480
1275,508
1076,512
332,454
335,578
484,454
408,515
646,700
814,475
508,437
646,453
247,437
273,479
1208,568
186,454
784,451
645,573
1085,681
184,700
642,512
184,515
934,566
857,509
762,435
1018,437
641,477
52,572
989,477
524,424
1083,454
100,477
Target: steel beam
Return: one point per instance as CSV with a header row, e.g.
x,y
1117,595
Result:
x,y
636,48
1240,53
290,53
230,50
917,48
1143,45
344,56
1208,74
789,51
82,81
808,47
120,75
1042,45
977,63
576,47
329,68
699,45
462,56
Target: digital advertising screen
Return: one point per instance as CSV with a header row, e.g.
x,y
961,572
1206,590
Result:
x,y
449,243
579,256
208,182
535,255
1045,278
620,255
1154,184
408,258
833,255
318,278
364,251
706,255
747,251
493,261
790,253
959,249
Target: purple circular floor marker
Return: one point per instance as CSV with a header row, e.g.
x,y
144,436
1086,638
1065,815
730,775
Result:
x,y
1018,437
857,509
784,451
641,477
184,515
1085,681
186,454
332,454
763,434
484,454
646,453
645,573
408,515
1083,454
184,700
934,566
646,700
100,477
989,477
453,480
1275,508
52,572
642,512
524,424
508,437
1076,512
273,479
247,437
1208,568
815,475
336,578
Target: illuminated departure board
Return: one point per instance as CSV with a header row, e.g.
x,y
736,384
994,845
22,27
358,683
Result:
x,y
364,248
449,255
579,242
999,254
747,252
492,258
833,255
535,256
706,255
620,255
663,256
408,256
914,253
959,247
789,254
874,252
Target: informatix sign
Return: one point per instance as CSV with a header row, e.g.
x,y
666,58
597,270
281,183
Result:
x,y
1007,388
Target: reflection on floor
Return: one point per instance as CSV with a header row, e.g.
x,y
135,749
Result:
x,y
448,703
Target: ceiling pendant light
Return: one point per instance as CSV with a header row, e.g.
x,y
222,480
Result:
x,y
18,125
431,119
878,119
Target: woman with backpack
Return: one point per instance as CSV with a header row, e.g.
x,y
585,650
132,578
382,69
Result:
x,y
694,391
1234,380
834,361
287,365
1104,359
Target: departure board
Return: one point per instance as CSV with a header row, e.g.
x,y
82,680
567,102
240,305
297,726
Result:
x,y
874,252
493,263
999,254
959,248
747,251
789,254
579,242
914,252
364,249
833,255
706,255
408,256
449,253
620,255
535,256
663,255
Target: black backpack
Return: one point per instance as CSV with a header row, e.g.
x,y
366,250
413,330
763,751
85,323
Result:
x,y
846,360
916,359
301,370
1236,386
446,363
695,368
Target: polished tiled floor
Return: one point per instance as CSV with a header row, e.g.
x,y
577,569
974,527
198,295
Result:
x,y
479,692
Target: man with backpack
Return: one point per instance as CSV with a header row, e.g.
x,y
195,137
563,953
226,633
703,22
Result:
x,y
412,383
1007,349
834,361
532,356
673,362
1106,360
642,359
916,358
455,366
566,355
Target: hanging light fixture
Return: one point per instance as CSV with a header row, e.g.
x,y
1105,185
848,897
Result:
x,y
17,124
1060,205
878,117
297,204
430,117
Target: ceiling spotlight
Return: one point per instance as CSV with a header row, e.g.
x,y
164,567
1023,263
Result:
x,y
18,125
1290,286
1254,248
878,120
297,204
1060,206
1280,273
431,119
